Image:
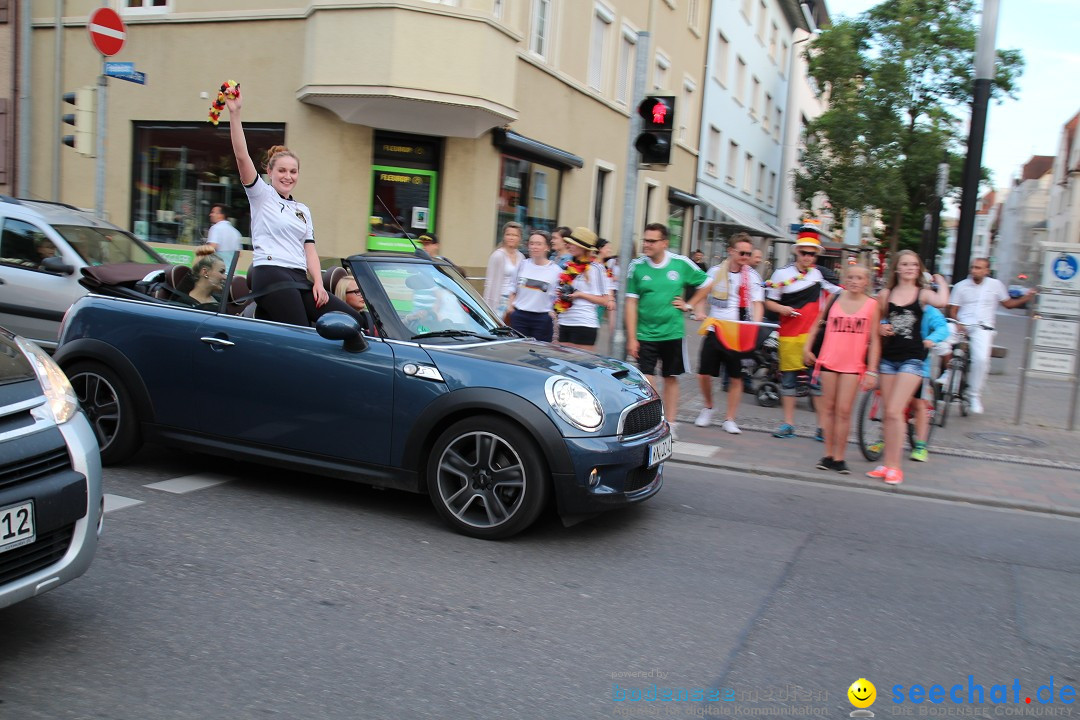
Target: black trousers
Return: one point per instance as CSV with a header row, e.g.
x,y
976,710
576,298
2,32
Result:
x,y
294,306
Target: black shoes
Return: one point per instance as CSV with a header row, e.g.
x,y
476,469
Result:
x,y
827,463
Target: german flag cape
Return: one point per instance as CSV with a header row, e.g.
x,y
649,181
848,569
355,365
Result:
x,y
795,329
739,336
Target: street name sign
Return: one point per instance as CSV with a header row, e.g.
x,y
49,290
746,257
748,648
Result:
x,y
107,31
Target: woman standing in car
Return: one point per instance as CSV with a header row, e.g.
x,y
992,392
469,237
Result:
x,y
282,234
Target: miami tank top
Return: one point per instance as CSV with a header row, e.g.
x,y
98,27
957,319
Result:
x,y
847,337
906,340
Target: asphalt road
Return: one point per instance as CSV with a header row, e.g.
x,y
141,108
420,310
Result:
x,y
274,595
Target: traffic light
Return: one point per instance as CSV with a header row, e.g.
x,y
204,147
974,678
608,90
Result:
x,y
654,142
84,99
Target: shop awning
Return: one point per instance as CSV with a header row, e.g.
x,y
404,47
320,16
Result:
x,y
529,149
738,221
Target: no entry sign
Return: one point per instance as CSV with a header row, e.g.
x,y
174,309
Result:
x,y
107,31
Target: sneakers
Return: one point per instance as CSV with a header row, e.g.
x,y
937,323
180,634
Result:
x,y
674,427
975,405
878,473
841,467
894,476
825,463
920,453
784,431
729,426
876,447
704,418
819,435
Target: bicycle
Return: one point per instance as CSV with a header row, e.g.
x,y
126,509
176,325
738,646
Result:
x,y
955,387
870,425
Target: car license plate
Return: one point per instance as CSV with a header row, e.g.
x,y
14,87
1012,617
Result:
x,y
659,451
17,526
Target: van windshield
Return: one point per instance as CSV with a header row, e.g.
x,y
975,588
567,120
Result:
x,y
98,246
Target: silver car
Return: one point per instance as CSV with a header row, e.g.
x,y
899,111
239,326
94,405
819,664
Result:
x,y
43,248
51,506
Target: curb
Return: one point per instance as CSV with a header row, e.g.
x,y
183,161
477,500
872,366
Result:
x,y
853,482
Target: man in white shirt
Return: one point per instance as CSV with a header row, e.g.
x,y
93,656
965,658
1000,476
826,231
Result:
x,y
222,235
973,303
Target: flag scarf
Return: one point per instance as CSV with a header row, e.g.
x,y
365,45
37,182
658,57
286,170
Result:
x,y
740,336
795,329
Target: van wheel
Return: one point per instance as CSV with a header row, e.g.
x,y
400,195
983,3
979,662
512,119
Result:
x,y
487,478
108,406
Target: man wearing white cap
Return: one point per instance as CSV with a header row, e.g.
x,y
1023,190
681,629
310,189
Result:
x,y
794,293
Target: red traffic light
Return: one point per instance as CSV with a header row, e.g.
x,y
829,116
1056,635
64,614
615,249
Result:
x,y
658,112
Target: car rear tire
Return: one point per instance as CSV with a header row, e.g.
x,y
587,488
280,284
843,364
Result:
x,y
487,478
107,404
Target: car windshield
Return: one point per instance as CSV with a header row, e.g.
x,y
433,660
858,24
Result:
x,y
433,302
97,245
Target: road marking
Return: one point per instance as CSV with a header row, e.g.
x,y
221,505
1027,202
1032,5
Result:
x,y
119,502
695,449
189,483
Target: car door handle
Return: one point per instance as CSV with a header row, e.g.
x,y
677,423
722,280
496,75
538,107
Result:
x,y
217,341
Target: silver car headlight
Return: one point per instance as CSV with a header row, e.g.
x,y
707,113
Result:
x,y
575,403
61,402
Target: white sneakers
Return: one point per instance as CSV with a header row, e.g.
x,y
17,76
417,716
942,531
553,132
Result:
x,y
704,418
729,426
975,405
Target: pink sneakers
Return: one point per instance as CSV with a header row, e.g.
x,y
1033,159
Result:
x,y
893,476
878,473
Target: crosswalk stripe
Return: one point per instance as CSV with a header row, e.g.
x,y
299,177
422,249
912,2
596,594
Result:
x,y
119,502
189,483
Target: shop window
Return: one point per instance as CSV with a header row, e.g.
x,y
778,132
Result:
x,y
180,170
528,194
135,6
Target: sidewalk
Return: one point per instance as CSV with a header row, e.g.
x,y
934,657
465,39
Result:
x,y
983,459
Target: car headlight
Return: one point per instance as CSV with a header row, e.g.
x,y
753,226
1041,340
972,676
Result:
x,y
575,403
60,396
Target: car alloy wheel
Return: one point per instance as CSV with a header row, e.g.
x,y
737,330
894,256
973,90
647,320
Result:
x,y
109,409
486,478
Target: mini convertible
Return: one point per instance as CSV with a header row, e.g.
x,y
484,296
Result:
x,y
436,395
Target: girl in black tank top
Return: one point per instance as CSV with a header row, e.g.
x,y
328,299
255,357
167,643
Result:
x,y
906,343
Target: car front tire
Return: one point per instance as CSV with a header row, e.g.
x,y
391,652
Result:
x,y
487,478
108,406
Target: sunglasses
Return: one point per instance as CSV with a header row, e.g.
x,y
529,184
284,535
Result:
x,y
808,253
352,292
744,253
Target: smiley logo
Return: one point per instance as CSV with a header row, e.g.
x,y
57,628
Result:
x,y
862,693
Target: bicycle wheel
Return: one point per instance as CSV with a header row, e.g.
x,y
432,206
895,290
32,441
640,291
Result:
x,y
961,387
869,427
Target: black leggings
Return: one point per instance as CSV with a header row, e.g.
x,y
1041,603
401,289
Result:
x,y
293,306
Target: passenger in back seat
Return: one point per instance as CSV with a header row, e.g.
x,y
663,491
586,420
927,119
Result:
x,y
208,274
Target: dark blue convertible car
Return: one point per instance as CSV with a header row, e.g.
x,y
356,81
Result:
x,y
436,396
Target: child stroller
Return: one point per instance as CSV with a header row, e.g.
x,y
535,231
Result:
x,y
767,389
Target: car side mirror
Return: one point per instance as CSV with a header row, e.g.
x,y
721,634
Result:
x,y
339,326
57,265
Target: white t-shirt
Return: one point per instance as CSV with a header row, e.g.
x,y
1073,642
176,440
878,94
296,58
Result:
x,y
729,309
224,237
279,227
509,268
977,303
813,275
536,286
583,313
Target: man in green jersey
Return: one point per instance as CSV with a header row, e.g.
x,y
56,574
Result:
x,y
655,329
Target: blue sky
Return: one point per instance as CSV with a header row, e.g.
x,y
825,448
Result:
x,y
1048,34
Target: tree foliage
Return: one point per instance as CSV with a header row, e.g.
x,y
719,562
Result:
x,y
899,82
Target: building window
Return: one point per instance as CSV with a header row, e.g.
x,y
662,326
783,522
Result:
x,y
181,170
745,9
761,181
755,95
687,113
772,187
528,194
748,173
779,123
720,59
135,6
601,32
660,79
732,161
600,200
650,195
692,12
740,80
774,35
497,9
541,27
783,57
712,165
766,114
763,11
5,150
627,60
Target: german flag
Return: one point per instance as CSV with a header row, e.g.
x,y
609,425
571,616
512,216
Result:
x,y
737,335
795,329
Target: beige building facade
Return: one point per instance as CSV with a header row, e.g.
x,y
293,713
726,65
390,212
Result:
x,y
408,116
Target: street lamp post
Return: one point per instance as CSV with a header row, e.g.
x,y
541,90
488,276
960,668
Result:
x,y
933,217
984,76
